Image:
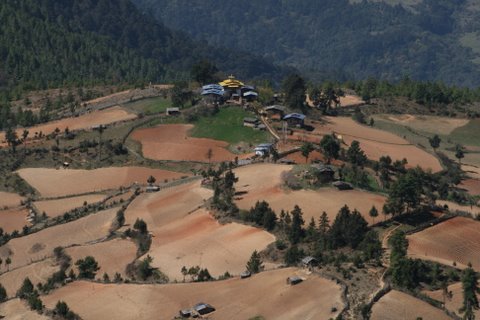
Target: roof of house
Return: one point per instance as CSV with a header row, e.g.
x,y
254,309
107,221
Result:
x,y
201,306
215,91
342,184
231,82
173,109
250,94
323,168
275,107
308,260
248,87
294,279
212,86
265,145
298,116
248,119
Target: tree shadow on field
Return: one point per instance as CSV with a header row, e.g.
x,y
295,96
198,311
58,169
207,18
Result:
x,y
416,219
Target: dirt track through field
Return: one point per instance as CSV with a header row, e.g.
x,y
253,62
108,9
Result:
x,y
265,294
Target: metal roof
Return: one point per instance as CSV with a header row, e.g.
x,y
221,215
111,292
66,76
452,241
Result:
x,y
250,94
298,116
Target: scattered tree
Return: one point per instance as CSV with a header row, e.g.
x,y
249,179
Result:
x,y
330,147
255,264
306,149
3,294
459,154
373,213
470,291
87,268
435,142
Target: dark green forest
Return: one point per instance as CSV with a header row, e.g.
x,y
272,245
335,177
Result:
x,y
339,39
48,43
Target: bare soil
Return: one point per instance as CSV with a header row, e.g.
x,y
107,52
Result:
x,y
398,305
263,182
172,142
8,199
455,240
62,182
39,245
55,208
17,309
454,302
265,294
13,219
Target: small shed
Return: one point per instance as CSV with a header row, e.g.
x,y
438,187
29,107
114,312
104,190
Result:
x,y
173,111
152,188
250,122
295,119
250,95
342,185
275,112
203,308
245,274
324,173
309,262
186,313
263,149
293,280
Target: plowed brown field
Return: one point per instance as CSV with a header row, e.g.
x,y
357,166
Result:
x,y
455,240
398,305
263,182
8,199
453,303
86,121
37,273
264,294
13,219
62,182
17,309
54,208
198,239
112,256
172,142
39,245
374,142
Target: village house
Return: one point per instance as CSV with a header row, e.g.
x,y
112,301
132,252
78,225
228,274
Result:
x,y
172,111
263,149
251,122
274,112
323,173
295,119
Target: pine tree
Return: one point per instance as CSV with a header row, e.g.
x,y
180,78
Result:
x,y
470,291
296,232
255,264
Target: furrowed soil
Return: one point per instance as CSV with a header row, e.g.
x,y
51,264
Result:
x,y
265,294
55,208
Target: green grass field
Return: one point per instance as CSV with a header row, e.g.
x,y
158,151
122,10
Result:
x,y
469,134
149,106
227,125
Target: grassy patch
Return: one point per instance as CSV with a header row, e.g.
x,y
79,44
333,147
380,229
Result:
x,y
149,106
227,125
468,134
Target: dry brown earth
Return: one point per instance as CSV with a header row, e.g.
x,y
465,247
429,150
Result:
x,y
39,245
431,124
112,256
8,199
263,182
453,303
472,186
18,310
452,206
55,208
172,142
374,142
62,182
13,219
265,294
455,240
37,273
199,239
86,121
398,305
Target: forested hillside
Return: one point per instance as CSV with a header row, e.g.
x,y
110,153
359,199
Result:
x,y
49,43
426,40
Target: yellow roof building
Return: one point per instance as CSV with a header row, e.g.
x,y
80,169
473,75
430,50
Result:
x,y
231,83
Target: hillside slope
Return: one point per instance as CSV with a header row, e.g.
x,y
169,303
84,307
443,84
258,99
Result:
x,y
349,39
45,43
